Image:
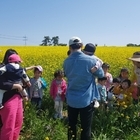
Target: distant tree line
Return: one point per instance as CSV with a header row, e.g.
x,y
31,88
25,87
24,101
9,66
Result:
x,y
132,45
54,41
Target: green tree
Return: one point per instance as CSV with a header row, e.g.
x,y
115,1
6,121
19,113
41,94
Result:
x,y
55,40
46,41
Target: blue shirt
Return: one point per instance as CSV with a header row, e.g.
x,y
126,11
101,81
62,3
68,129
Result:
x,y
81,88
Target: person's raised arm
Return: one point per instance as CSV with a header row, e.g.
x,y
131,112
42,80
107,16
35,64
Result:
x,y
29,68
99,73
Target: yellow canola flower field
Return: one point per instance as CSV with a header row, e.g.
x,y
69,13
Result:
x,y
51,57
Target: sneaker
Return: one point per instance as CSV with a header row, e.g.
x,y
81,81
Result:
x,y
1,106
96,104
60,116
55,115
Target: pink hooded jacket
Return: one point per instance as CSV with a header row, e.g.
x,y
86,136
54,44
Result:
x,y
54,89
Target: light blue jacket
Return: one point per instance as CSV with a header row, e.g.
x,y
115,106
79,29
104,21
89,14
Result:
x,y
102,92
81,88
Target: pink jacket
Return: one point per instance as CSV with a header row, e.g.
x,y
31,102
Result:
x,y
54,89
109,80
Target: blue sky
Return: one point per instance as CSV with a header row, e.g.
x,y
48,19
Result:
x,y
109,22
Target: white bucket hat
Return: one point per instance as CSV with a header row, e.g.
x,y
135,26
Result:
x,y
135,57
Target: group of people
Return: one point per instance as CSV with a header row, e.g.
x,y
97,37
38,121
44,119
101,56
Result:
x,y
88,85
90,82
13,83
118,91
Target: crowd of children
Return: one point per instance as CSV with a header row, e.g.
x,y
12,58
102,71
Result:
x,y
119,91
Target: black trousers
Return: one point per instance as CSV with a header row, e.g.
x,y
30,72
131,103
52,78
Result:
x,y
86,115
37,102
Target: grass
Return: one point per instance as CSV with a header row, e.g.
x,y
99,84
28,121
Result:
x,y
123,124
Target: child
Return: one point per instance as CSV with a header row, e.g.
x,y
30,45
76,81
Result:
x,y
90,50
14,73
112,92
115,85
136,76
37,87
124,74
102,91
124,97
106,67
57,91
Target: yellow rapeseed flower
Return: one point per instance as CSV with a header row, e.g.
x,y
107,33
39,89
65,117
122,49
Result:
x,y
27,107
26,103
127,117
73,136
123,103
125,106
122,114
47,138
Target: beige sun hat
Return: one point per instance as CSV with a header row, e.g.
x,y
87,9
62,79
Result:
x,y
135,57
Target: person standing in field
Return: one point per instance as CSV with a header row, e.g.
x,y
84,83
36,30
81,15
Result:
x,y
136,76
113,92
14,73
124,74
11,116
106,67
81,89
103,92
38,84
124,97
58,91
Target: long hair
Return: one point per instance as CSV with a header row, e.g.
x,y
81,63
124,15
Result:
x,y
7,54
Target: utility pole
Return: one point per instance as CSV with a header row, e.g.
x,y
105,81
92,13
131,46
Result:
x,y
25,39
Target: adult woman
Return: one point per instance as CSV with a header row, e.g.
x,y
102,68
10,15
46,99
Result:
x,y
12,113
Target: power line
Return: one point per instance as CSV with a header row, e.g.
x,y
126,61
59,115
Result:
x,y
11,36
25,39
